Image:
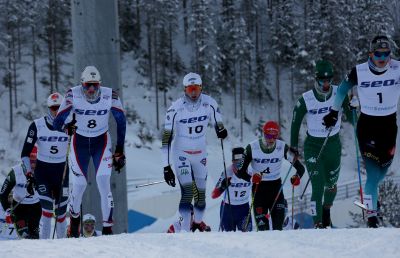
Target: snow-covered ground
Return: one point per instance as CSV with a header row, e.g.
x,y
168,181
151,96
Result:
x,y
332,243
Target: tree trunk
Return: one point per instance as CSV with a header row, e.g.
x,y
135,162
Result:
x,y
14,67
185,20
19,41
55,59
234,91
241,100
278,92
9,82
34,62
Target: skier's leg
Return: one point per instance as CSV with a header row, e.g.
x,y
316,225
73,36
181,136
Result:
x,y
199,171
314,168
182,169
102,160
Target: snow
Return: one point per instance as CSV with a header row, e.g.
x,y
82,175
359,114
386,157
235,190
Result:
x,y
297,243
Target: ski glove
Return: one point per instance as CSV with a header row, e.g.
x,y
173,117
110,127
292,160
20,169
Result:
x,y
169,176
222,133
331,118
354,103
256,179
295,180
30,183
119,159
71,127
224,184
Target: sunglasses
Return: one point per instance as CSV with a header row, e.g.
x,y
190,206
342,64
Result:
x,y
380,54
270,136
89,84
321,81
54,108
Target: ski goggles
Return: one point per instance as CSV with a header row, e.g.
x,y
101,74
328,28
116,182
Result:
x,y
87,85
322,81
381,55
193,89
271,135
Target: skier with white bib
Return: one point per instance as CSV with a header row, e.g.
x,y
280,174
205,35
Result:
x,y
265,155
234,215
324,172
49,173
378,86
92,105
24,209
184,147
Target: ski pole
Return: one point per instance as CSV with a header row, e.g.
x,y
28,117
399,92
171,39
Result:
x,y
316,161
222,213
152,183
61,193
251,208
268,215
227,183
358,160
292,206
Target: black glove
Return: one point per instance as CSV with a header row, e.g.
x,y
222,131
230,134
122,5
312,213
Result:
x,y
222,133
119,159
331,118
169,176
30,183
223,183
71,127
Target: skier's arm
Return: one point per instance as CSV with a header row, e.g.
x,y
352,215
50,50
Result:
x,y
346,109
168,135
299,111
344,87
217,120
6,188
29,143
296,163
118,113
219,188
63,112
247,158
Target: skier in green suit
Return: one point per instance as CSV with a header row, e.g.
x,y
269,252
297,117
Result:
x,y
324,172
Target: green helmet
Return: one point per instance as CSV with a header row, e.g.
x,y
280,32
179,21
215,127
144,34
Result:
x,y
323,69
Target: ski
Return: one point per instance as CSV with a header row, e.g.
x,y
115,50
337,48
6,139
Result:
x,y
361,205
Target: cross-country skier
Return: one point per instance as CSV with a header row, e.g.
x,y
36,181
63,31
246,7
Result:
x,y
265,155
377,82
52,151
92,104
234,216
25,207
324,172
184,146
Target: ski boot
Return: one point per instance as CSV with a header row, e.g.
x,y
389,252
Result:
x,y
326,218
318,225
202,227
107,230
373,222
74,226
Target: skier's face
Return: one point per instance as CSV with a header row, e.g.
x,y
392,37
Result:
x,y
193,91
54,110
88,226
270,137
324,83
91,89
380,57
